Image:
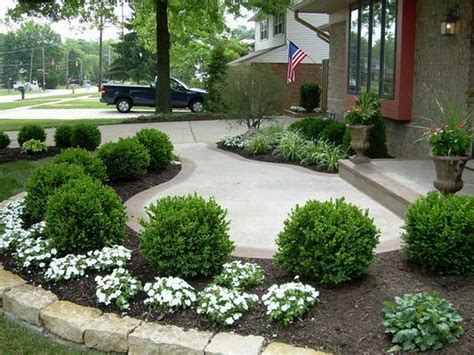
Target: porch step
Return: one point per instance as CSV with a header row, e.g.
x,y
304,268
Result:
x,y
383,189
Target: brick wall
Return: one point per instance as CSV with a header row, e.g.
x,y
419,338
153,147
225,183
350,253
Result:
x,y
305,74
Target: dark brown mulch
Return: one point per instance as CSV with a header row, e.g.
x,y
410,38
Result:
x,y
271,158
8,155
347,319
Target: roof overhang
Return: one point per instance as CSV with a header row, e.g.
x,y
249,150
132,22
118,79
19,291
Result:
x,y
320,6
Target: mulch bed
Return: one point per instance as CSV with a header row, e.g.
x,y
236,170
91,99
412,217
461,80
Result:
x,y
271,158
8,155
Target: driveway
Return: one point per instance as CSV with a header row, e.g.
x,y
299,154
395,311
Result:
x,y
258,196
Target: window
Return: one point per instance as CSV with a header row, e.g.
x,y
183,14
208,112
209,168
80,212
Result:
x,y
278,24
264,29
372,37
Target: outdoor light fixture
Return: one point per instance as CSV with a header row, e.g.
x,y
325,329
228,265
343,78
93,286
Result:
x,y
449,24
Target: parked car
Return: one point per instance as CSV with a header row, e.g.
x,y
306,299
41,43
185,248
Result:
x,y
124,97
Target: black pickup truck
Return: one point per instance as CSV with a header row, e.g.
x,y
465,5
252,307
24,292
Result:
x,y
124,97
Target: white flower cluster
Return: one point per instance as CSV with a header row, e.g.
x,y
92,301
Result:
x,y
169,294
120,286
35,252
289,301
222,305
72,266
240,275
233,141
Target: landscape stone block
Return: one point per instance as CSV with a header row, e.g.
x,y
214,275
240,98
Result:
x,y
26,302
110,333
234,344
69,320
150,338
276,348
7,281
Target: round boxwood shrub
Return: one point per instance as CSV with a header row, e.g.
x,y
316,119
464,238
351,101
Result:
x,y
158,145
30,132
330,241
43,182
90,162
334,132
186,236
126,159
62,136
4,140
85,136
439,233
84,215
310,128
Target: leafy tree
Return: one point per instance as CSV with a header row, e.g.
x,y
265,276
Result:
x,y
216,71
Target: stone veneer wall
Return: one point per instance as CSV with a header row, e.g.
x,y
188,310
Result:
x,y
337,68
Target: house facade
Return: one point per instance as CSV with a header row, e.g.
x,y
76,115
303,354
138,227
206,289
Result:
x,y
272,35
408,51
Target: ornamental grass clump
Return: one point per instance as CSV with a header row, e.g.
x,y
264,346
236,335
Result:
x,y
421,321
285,303
88,161
224,306
439,233
186,236
169,294
258,144
331,241
118,287
292,146
239,276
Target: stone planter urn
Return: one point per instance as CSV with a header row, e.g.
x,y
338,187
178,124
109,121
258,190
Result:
x,y
449,173
360,142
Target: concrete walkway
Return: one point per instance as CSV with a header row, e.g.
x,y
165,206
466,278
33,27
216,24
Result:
x,y
258,196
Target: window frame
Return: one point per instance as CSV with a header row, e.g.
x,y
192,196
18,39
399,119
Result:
x,y
358,5
276,24
264,29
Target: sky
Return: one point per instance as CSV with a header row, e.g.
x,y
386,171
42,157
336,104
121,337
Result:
x,y
73,29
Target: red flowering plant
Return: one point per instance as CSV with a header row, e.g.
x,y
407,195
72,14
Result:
x,y
365,111
450,134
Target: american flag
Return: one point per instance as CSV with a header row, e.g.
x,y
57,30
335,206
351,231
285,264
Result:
x,y
295,56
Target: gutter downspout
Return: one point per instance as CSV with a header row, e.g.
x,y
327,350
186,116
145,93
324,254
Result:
x,y
321,34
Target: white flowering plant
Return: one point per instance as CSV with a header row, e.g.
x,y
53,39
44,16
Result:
x,y
289,301
239,276
222,305
72,266
119,287
230,141
34,253
169,294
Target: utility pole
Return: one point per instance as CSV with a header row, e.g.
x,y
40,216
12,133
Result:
x,y
31,66
101,28
44,71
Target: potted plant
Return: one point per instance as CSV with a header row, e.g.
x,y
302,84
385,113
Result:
x,y
450,139
359,121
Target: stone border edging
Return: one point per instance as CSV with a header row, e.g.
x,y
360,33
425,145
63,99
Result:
x,y
42,311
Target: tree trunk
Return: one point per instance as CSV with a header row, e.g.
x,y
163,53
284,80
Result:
x,y
101,29
163,93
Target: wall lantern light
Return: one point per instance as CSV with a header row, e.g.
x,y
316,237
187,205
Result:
x,y
450,22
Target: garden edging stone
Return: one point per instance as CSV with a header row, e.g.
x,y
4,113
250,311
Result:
x,y
7,281
234,344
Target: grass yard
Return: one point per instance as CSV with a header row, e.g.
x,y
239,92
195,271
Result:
x,y
15,339
23,103
15,125
13,176
77,104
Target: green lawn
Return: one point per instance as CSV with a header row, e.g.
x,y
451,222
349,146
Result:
x,y
15,339
77,104
15,125
23,103
13,176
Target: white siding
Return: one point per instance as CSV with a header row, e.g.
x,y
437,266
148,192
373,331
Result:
x,y
272,40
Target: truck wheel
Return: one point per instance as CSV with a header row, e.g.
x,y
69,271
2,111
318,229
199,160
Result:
x,y
196,106
123,105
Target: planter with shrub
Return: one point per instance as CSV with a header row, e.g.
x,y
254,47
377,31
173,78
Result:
x,y
30,132
126,159
158,145
85,136
88,161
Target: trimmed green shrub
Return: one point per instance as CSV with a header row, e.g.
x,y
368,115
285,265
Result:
x,y
292,147
84,215
29,132
88,161
43,182
439,233
158,145
334,132
4,140
126,159
331,241
310,127
62,136
420,321
310,96
186,236
85,136
378,139
33,146
258,144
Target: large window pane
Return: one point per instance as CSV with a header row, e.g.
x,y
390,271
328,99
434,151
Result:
x,y
364,46
353,50
376,46
389,55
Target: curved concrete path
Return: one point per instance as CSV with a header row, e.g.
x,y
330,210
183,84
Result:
x,y
258,196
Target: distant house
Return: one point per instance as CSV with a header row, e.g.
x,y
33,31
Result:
x,y
401,49
272,35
